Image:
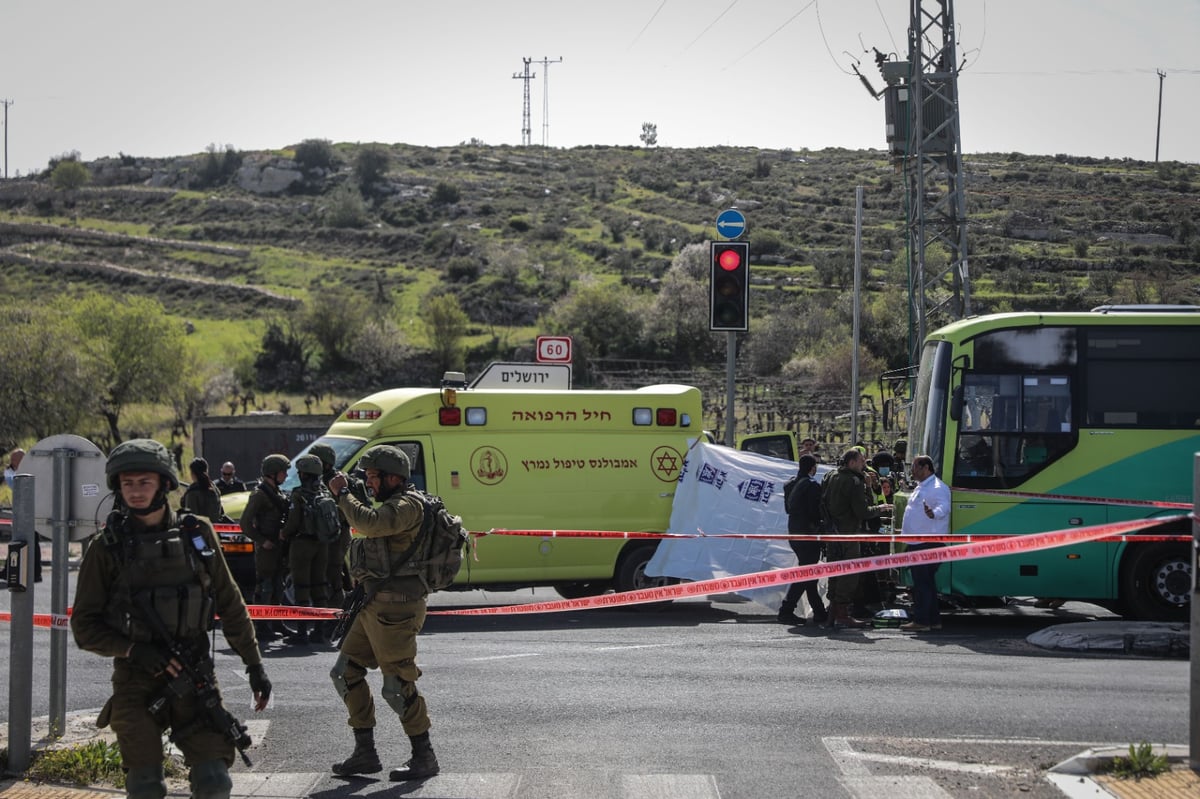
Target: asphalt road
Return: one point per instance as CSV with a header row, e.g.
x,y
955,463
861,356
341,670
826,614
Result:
x,y
701,698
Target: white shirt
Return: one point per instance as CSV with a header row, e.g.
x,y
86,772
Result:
x,y
933,492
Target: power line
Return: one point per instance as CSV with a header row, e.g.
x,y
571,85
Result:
x,y
647,25
786,22
709,26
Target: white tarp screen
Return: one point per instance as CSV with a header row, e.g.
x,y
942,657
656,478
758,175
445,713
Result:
x,y
723,490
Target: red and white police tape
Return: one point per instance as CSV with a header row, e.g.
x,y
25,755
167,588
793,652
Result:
x,y
1007,545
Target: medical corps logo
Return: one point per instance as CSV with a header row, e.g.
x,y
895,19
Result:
x,y
488,465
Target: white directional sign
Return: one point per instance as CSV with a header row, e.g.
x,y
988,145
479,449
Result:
x,y
524,375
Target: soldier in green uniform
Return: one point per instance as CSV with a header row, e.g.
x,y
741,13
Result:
x,y
147,559
384,634
336,564
262,520
307,555
850,510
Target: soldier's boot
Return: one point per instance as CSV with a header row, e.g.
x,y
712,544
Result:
x,y
423,764
300,636
265,631
364,759
839,616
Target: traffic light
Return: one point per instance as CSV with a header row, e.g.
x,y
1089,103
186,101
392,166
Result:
x,y
729,286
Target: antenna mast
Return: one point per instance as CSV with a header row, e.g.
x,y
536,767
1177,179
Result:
x,y
546,62
527,76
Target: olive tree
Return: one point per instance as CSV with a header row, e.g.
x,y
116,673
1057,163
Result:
x,y
445,321
138,351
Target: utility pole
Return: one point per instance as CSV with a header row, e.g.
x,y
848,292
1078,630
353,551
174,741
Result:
x,y
1157,131
546,62
921,105
527,76
7,103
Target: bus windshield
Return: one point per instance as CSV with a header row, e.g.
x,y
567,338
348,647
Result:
x,y
927,433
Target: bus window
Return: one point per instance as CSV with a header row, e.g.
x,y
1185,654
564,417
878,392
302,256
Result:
x,y
1013,426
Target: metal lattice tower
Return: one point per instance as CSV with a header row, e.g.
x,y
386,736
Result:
x,y
923,138
526,128
546,62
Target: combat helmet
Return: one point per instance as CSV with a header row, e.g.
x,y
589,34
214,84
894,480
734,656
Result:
x,y
274,464
387,459
325,453
140,455
309,464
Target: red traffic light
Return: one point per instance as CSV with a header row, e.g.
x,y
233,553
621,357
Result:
x,y
729,260
729,286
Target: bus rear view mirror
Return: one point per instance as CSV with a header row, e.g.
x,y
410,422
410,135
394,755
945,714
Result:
x,y
956,403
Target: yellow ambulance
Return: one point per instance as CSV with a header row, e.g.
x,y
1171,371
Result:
x,y
527,459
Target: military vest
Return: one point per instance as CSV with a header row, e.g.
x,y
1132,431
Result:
x,y
169,570
379,558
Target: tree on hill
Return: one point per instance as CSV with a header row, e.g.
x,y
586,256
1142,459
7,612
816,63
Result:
x,y
139,352
370,165
69,175
445,321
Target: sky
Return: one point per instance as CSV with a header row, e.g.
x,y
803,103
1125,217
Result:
x,y
173,77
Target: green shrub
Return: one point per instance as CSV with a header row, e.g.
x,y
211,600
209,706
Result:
x,y
1142,762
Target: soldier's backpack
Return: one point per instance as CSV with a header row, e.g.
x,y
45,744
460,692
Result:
x,y
321,517
437,554
828,525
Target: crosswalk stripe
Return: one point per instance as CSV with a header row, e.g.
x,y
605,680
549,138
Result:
x,y
669,786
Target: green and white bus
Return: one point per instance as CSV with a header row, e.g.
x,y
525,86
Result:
x,y
1101,404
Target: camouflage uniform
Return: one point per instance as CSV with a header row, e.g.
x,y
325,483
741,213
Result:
x,y
183,575
384,634
262,520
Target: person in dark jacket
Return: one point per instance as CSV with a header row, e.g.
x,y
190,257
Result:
x,y
201,497
803,507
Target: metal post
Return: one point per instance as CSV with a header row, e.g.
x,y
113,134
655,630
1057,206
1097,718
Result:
x,y
1194,736
730,368
20,643
60,532
858,205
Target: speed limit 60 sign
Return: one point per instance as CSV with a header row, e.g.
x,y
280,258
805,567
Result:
x,y
553,349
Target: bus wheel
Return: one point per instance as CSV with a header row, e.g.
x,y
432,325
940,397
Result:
x,y
581,590
1156,582
631,570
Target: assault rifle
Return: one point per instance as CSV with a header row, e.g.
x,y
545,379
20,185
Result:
x,y
195,678
356,600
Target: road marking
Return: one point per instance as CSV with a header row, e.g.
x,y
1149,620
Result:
x,y
894,788
284,785
509,657
667,786
629,646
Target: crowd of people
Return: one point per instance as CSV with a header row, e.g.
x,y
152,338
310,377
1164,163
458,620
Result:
x,y
856,499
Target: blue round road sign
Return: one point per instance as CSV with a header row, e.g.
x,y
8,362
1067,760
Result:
x,y
731,223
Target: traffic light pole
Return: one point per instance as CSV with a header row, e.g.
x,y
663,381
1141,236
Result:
x,y
730,367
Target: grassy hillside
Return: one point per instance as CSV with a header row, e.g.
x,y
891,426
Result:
x,y
511,232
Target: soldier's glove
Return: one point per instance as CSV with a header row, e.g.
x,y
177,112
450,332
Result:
x,y
259,683
150,658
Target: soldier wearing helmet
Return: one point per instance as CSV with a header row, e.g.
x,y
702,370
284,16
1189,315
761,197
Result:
x,y
262,521
335,571
307,552
385,631
148,560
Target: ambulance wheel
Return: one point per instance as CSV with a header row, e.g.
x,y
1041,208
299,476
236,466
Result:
x,y
1156,582
631,570
581,590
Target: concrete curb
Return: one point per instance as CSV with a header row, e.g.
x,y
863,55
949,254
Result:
x,y
1073,776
